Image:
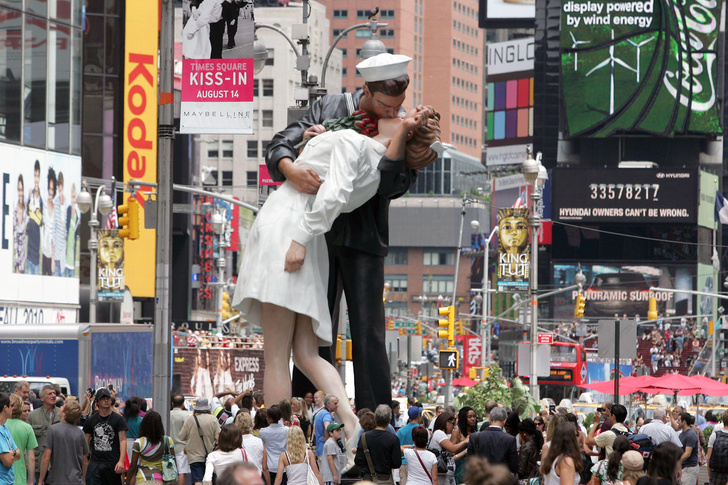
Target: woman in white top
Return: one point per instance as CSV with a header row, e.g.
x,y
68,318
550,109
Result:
x,y
421,463
296,460
229,452
444,425
284,273
562,464
253,445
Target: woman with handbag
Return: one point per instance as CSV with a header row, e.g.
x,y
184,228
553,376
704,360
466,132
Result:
x,y
229,452
151,453
609,470
421,463
440,443
298,462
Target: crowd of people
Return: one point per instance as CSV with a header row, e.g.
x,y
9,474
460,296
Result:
x,y
238,439
206,339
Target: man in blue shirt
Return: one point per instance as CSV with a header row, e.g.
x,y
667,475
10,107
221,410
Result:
x,y
9,452
405,437
323,419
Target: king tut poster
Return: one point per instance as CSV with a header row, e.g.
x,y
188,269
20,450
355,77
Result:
x,y
514,261
110,266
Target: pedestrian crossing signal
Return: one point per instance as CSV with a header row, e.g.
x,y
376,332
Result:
x,y
449,359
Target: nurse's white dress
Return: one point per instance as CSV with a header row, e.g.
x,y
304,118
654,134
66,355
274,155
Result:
x,y
347,163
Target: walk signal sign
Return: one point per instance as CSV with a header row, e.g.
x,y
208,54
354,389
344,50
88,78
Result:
x,y
449,359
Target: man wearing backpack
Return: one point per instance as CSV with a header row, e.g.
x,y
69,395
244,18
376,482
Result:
x,y
659,430
606,439
718,454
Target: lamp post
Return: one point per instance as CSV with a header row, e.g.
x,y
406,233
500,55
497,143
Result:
x,y
103,204
218,223
485,342
536,175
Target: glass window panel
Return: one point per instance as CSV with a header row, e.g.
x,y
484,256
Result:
x,y
38,7
76,83
94,6
60,10
251,178
267,119
113,111
267,87
213,150
111,152
59,87
227,148
11,71
227,177
93,104
113,44
36,65
113,7
93,45
93,156
253,149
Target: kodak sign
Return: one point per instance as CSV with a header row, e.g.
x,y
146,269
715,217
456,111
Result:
x,y
140,133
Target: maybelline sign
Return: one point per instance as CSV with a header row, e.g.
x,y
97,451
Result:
x,y
626,195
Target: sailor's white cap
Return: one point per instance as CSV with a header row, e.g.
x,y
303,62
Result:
x,y
383,66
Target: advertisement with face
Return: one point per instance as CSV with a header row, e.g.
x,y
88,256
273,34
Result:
x,y
205,372
110,263
640,66
40,248
513,249
217,66
623,290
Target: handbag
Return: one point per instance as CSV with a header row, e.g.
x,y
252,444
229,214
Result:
x,y
445,462
379,481
169,465
311,478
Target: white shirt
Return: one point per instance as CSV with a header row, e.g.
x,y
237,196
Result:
x,y
352,178
660,432
254,448
218,461
415,473
716,428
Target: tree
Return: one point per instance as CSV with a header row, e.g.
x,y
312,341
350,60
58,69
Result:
x,y
495,388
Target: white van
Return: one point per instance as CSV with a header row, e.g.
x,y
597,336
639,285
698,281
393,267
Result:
x,y
7,383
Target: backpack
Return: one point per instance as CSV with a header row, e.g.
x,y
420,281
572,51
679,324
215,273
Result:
x,y
641,443
719,457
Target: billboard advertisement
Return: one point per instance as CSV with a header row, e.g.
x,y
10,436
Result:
x,y
640,66
706,206
502,14
140,134
41,357
624,290
509,103
624,195
123,359
514,250
110,266
217,67
204,372
39,235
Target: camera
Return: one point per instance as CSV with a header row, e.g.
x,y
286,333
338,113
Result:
x,y
90,390
111,387
600,410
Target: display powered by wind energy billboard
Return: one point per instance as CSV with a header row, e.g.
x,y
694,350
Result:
x,y
642,66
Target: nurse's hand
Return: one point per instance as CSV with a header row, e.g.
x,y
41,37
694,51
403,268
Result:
x,y
304,179
294,257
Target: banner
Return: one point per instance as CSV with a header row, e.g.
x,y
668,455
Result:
x,y
39,234
140,133
642,66
204,372
217,67
471,352
514,256
110,266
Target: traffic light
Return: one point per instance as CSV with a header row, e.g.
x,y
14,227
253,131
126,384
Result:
x,y
129,219
390,325
418,327
225,305
448,324
459,326
652,308
579,308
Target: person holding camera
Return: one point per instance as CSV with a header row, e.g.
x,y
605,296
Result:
x,y
605,439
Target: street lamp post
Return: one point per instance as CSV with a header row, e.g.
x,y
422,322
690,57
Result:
x,y
485,342
218,223
103,204
535,174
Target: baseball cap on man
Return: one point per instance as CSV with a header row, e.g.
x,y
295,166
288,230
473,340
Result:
x,y
414,412
333,426
103,392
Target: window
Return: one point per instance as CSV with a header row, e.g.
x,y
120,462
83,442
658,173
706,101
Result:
x,y
396,309
341,14
267,87
365,34
265,145
344,53
213,150
339,31
269,59
396,256
344,72
385,33
386,14
227,177
252,148
363,14
267,120
437,284
398,283
439,257
227,148
255,87
251,179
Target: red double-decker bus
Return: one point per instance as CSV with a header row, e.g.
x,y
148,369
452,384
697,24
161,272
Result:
x,y
568,372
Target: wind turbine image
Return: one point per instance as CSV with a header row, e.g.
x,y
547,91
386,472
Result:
x,y
611,61
638,46
574,45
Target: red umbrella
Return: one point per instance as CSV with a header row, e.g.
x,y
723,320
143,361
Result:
x,y
463,382
710,387
674,384
627,385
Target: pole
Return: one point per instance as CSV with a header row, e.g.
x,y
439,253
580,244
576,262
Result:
x,y
535,223
448,387
409,364
715,347
487,338
715,309
93,247
220,280
616,361
162,352
448,375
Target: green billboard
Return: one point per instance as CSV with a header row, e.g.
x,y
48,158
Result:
x,y
644,66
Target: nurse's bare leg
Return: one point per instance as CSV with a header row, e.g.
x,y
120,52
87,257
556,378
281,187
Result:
x,y
278,329
323,375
